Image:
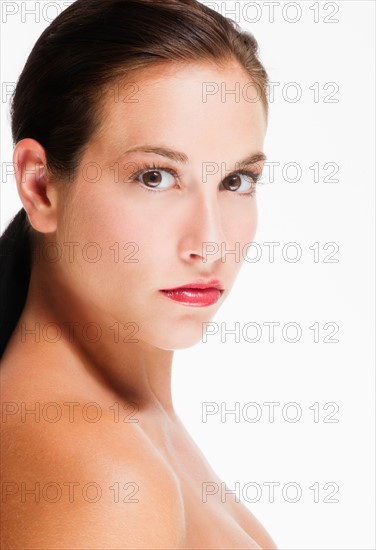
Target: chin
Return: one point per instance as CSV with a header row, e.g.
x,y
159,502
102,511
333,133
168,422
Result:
x,y
179,339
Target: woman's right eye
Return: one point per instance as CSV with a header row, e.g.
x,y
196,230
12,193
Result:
x,y
155,177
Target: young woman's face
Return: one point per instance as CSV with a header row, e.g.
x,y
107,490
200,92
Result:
x,y
157,230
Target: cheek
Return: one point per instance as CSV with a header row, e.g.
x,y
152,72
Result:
x,y
251,226
240,220
100,213
119,231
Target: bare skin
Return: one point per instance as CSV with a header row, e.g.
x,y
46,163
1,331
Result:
x,y
147,478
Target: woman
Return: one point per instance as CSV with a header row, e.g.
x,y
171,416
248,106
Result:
x,y
137,173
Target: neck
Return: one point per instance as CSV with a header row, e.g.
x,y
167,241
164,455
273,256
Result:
x,y
106,352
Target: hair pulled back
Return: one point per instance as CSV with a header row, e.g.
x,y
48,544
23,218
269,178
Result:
x,y
86,49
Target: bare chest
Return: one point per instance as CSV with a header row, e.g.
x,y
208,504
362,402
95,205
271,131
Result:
x,y
214,519
213,526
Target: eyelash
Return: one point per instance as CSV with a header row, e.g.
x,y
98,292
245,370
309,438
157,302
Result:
x,y
152,166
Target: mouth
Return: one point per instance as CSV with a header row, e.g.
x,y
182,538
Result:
x,y
197,294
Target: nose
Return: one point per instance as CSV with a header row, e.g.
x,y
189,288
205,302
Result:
x,y
203,238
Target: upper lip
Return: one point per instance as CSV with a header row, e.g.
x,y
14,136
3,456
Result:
x,y
200,284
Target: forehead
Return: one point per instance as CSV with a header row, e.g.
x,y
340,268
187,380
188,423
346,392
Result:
x,y
188,106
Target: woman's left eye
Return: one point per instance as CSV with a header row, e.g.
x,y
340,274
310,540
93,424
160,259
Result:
x,y
244,182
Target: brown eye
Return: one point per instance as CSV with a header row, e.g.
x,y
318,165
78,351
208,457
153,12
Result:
x,y
151,178
244,182
232,183
157,178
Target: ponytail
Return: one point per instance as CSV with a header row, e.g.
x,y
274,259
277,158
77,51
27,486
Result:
x,y
15,269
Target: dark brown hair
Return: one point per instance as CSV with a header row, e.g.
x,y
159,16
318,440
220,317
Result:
x,y
90,46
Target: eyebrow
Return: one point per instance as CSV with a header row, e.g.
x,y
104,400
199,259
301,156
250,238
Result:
x,y
182,157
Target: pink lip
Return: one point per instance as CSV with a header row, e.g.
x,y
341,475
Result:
x,y
198,294
200,284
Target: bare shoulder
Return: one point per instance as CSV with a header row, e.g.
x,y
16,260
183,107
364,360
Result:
x,y
83,484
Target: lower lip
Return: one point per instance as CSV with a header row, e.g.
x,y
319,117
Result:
x,y
194,296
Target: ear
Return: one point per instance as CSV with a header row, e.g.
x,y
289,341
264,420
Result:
x,y
38,195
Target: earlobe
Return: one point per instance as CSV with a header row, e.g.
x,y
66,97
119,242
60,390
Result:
x,y
38,197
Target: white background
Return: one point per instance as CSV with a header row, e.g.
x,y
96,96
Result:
x,y
308,131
